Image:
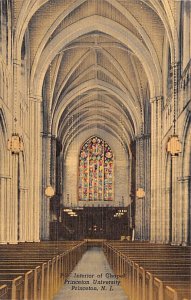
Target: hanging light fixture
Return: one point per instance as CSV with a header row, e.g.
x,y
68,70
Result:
x,y
67,210
49,191
174,146
15,144
140,193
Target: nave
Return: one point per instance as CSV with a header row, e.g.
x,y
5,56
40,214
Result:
x,y
94,269
101,282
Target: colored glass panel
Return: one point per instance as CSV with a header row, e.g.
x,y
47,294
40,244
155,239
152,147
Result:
x,y
95,171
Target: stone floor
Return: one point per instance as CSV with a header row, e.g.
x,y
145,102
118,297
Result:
x,y
92,272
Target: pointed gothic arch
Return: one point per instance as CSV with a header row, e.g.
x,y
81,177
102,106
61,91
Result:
x,y
96,171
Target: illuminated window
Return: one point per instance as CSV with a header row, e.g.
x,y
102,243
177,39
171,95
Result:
x,y
96,171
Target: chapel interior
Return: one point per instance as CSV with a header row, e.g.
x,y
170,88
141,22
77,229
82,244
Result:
x,y
95,147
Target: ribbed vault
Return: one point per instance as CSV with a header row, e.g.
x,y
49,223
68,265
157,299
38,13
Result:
x,y
96,63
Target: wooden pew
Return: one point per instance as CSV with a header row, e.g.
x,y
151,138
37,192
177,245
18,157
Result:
x,y
3,291
36,271
152,272
15,286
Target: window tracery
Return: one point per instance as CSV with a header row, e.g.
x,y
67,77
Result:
x,y
96,171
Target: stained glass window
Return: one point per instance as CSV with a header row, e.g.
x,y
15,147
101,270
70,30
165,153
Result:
x,y
96,171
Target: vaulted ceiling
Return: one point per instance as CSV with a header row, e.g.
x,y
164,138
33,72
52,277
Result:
x,y
96,62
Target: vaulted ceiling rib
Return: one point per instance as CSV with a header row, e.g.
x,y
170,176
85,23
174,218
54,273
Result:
x,y
95,60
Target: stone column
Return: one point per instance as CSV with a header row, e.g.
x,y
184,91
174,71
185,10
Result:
x,y
8,203
177,205
13,203
166,208
59,171
185,188
186,210
35,168
156,168
142,218
27,232
46,181
53,162
139,184
147,176
186,33
4,208
23,214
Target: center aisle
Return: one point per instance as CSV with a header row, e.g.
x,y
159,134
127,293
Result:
x,y
91,279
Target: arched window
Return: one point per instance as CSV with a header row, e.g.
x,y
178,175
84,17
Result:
x,y
96,171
